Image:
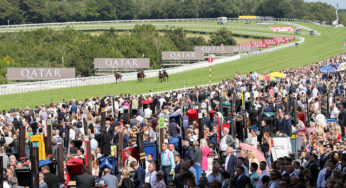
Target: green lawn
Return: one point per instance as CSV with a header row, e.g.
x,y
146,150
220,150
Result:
x,y
312,50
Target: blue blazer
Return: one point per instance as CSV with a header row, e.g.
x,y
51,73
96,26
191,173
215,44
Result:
x,y
139,178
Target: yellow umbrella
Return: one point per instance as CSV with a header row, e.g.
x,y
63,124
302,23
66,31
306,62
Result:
x,y
267,77
277,74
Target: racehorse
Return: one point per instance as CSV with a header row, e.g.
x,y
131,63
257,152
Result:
x,y
163,76
117,76
140,75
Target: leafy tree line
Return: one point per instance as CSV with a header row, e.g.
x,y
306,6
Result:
x,y
38,11
342,17
45,47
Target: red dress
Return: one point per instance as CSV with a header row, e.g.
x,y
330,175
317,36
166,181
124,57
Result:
x,y
205,151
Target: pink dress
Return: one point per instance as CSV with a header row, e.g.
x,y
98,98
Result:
x,y
205,151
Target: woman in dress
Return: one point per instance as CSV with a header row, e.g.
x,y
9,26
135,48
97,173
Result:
x,y
205,150
266,147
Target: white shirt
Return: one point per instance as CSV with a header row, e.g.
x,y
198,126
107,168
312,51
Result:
x,y
162,100
72,134
150,178
314,92
223,145
334,113
147,113
5,185
93,144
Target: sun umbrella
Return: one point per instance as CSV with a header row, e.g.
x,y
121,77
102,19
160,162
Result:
x,y
277,74
267,77
329,68
258,154
342,66
147,102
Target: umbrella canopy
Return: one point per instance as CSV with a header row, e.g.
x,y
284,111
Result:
x,y
44,162
277,74
342,66
267,77
147,102
258,154
329,68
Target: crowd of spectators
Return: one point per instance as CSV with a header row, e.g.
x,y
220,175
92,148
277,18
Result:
x,y
306,102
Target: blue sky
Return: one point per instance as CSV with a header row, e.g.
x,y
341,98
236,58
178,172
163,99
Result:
x,y
342,3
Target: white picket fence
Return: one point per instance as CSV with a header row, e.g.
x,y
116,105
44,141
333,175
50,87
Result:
x,y
96,80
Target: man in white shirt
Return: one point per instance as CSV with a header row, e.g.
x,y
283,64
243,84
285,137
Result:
x,y
93,142
226,140
150,177
162,100
335,112
148,112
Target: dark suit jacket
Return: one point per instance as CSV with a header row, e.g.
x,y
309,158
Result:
x,y
177,168
85,180
313,167
139,177
189,153
231,165
51,180
242,182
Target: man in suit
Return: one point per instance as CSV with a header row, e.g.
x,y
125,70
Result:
x,y
86,179
109,179
230,162
50,179
226,140
177,160
313,167
285,126
240,180
139,178
188,151
129,160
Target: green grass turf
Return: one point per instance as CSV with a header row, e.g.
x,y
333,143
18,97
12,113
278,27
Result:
x,y
312,50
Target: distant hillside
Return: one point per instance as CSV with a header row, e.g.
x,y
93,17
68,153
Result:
x,y
43,11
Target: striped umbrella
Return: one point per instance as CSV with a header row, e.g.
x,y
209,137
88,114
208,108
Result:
x,y
277,75
267,77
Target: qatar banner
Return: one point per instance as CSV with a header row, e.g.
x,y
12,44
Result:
x,y
270,42
121,63
213,49
261,45
25,73
255,43
182,55
280,39
282,29
290,38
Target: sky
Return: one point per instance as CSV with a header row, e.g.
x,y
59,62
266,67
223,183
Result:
x,y
342,3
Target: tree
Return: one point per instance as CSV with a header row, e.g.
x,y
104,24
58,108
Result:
x,y
222,36
126,9
35,11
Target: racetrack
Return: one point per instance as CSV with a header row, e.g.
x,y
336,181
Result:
x,y
312,50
